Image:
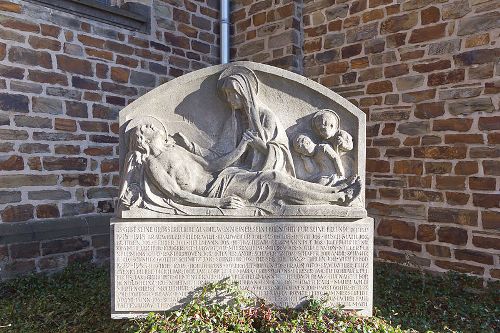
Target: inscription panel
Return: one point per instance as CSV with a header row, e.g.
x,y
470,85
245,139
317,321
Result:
x,y
157,264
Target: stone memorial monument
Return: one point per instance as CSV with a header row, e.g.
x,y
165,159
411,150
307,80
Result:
x,y
245,171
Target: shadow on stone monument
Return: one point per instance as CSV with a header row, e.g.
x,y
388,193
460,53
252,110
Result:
x,y
244,171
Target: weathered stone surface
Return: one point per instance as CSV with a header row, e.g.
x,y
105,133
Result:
x,y
72,209
30,57
479,23
231,232
438,250
80,179
440,152
49,195
64,245
445,47
401,210
456,9
11,162
482,184
486,200
429,110
396,229
103,192
428,33
455,216
13,102
398,23
10,197
452,124
471,255
408,167
486,242
418,96
64,163
459,93
142,79
450,182
24,250
409,82
363,32
414,127
17,213
47,105
74,65
24,86
474,57
62,124
442,78
46,211
34,122
470,106
452,235
66,93
426,232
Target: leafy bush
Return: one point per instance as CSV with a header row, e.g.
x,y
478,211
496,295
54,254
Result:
x,y
242,313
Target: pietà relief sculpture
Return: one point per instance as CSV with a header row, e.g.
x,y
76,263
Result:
x,y
236,145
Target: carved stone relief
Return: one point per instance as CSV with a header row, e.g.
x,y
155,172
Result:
x,y
222,146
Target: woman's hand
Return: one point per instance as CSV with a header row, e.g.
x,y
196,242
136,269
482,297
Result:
x,y
232,202
255,141
183,141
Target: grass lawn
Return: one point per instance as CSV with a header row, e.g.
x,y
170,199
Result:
x,y
78,300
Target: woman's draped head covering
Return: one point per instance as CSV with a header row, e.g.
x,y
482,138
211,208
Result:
x,y
246,85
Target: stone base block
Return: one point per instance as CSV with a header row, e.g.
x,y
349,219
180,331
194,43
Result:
x,y
157,263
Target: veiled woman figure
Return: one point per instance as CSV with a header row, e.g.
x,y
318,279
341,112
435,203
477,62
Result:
x,y
270,150
251,120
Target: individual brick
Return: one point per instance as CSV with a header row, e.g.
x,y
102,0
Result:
x,y
24,250
398,23
64,245
443,78
64,163
413,167
452,235
47,105
453,215
479,23
47,211
452,124
426,233
30,57
11,163
396,229
486,242
438,250
17,213
470,106
428,33
74,65
486,200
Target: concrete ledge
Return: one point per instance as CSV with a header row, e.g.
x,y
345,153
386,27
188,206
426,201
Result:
x,y
64,227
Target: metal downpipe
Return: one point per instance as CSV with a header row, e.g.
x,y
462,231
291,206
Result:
x,y
224,31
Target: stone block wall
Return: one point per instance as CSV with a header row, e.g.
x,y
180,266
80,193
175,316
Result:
x,y
63,80
267,32
427,74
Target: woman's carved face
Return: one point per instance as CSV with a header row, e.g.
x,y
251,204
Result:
x,y
233,96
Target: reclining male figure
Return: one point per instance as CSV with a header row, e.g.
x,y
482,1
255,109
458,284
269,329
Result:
x,y
192,180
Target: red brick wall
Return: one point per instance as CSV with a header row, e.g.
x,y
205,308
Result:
x,y
267,32
427,75
63,81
